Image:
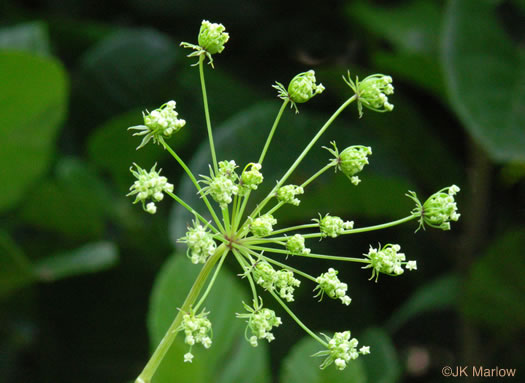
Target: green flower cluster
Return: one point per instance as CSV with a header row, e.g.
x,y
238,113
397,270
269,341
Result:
x,y
253,238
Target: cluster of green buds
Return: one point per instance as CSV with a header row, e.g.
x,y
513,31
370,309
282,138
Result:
x,y
438,210
263,225
160,123
200,242
288,193
260,323
254,238
221,186
341,349
212,37
149,185
300,90
282,281
197,329
330,285
296,245
251,178
387,260
372,92
332,226
350,161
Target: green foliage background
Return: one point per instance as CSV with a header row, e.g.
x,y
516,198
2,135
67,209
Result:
x,y
88,282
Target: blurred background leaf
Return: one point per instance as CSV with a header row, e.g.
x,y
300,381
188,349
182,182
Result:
x,y
29,37
33,106
89,258
483,66
494,292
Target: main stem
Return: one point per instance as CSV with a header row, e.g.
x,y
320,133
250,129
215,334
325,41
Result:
x,y
166,342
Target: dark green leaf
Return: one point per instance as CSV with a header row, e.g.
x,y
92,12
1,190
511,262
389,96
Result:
x,y
89,258
131,68
15,269
485,74
75,203
300,367
30,37
438,294
223,362
32,106
494,290
412,27
382,365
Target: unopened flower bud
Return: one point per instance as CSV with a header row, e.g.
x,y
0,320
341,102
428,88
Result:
x,y
160,123
263,225
438,210
227,169
372,92
295,245
303,87
212,37
387,260
251,177
287,193
332,226
351,160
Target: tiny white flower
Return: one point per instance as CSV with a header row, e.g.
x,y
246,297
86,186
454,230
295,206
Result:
x,y
364,350
188,357
151,208
411,265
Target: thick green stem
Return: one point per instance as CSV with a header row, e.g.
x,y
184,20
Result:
x,y
226,218
207,113
210,284
166,342
194,180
